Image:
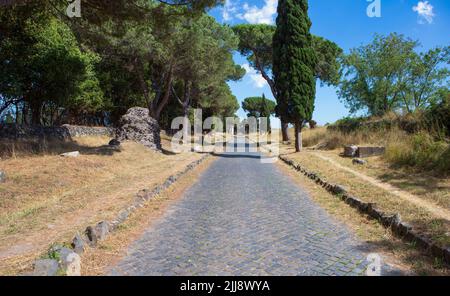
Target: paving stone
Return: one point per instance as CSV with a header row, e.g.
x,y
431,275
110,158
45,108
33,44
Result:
x,y
243,217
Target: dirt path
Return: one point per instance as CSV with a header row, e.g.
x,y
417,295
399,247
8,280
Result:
x,y
432,208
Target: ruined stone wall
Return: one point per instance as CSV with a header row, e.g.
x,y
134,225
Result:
x,y
64,132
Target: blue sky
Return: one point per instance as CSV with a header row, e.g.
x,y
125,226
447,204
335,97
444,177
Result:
x,y
345,22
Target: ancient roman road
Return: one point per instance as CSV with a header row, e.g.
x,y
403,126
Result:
x,y
243,217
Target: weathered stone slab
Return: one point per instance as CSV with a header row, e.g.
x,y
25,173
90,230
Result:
x,y
101,230
91,235
78,244
64,132
350,151
70,263
45,267
369,151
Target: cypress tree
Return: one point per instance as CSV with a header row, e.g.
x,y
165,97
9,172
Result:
x,y
294,60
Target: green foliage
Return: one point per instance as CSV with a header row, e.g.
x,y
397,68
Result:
x,y
421,151
203,62
388,74
258,106
256,42
427,78
437,116
294,61
328,64
45,66
348,124
119,55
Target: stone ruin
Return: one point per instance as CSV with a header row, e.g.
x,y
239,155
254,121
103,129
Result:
x,y
363,151
137,125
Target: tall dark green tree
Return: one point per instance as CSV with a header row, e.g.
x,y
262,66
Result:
x,y
256,42
294,61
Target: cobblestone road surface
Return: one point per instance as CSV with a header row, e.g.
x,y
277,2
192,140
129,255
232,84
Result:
x,y
245,218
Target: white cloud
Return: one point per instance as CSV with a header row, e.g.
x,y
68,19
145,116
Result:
x,y
258,80
263,15
229,10
425,11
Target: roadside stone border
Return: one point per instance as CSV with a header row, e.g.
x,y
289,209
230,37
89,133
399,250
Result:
x,y
56,263
399,228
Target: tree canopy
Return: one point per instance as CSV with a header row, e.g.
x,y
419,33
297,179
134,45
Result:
x,y
258,106
256,43
118,55
389,74
45,68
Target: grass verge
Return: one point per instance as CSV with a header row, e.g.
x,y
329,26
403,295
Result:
x,y
380,240
47,198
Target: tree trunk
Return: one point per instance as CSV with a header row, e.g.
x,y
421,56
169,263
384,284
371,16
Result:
x,y
298,136
284,130
158,105
36,114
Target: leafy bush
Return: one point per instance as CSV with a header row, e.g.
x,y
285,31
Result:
x,y
420,151
437,117
347,124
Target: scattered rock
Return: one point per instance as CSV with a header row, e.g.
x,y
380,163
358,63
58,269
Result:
x,y
71,154
70,262
447,255
123,215
91,236
101,230
45,267
437,251
359,161
78,244
2,176
338,189
320,146
350,151
137,125
114,142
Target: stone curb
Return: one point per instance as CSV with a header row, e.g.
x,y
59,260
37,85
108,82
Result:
x,y
101,230
399,228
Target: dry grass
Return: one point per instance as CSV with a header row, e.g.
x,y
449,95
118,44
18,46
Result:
x,y
334,139
380,240
47,198
428,186
432,187
432,226
97,261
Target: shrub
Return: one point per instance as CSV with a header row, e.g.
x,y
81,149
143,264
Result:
x,y
421,151
437,117
347,124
